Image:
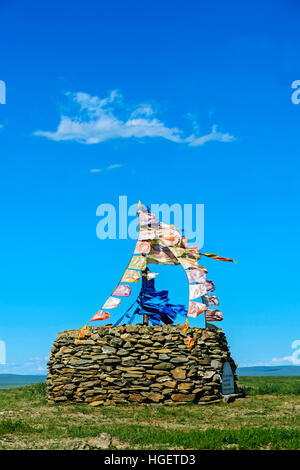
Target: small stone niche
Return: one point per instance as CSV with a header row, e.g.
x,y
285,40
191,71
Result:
x,y
140,364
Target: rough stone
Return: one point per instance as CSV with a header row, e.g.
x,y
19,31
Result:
x,y
138,364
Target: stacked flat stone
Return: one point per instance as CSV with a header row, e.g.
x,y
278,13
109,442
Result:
x,y
139,364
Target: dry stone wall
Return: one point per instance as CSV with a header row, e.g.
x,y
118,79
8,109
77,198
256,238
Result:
x,y
139,364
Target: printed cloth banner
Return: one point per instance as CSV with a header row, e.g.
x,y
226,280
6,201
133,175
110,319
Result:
x,y
210,287
122,290
161,255
195,308
142,248
189,263
131,276
196,275
197,290
100,316
210,300
138,262
146,218
168,236
147,235
213,315
112,302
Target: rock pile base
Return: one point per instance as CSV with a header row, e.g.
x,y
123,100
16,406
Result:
x,y
138,364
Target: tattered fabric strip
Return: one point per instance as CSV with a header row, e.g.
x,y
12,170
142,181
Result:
x,y
195,308
138,262
197,290
220,258
112,302
196,275
100,315
131,276
122,290
213,315
210,300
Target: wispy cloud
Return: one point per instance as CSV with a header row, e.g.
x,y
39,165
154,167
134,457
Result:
x,y
294,358
92,120
110,167
33,365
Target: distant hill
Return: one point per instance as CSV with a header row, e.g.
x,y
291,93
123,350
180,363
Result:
x,y
269,371
14,380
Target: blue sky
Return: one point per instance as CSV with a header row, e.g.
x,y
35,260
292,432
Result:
x,y
197,110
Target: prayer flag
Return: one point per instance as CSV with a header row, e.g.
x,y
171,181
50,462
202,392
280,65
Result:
x,y
195,308
112,302
210,300
131,276
191,342
100,315
142,248
189,263
196,275
210,287
138,262
213,315
197,290
122,290
186,325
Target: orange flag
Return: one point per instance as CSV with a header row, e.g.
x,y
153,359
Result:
x,y
186,325
191,342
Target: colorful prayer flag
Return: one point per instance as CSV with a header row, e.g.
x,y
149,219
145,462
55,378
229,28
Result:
x,y
195,308
196,275
186,325
210,287
191,342
197,290
122,290
213,315
138,262
131,276
142,248
100,315
210,300
112,302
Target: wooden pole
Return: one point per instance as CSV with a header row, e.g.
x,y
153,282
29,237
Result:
x,y
144,280
144,273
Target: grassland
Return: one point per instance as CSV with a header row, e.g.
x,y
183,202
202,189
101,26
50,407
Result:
x,y
268,418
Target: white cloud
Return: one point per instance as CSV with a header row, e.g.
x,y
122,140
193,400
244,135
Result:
x,y
93,120
294,358
110,167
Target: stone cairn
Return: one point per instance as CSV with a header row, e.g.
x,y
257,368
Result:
x,y
138,364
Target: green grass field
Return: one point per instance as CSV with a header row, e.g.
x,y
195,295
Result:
x,y
268,418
